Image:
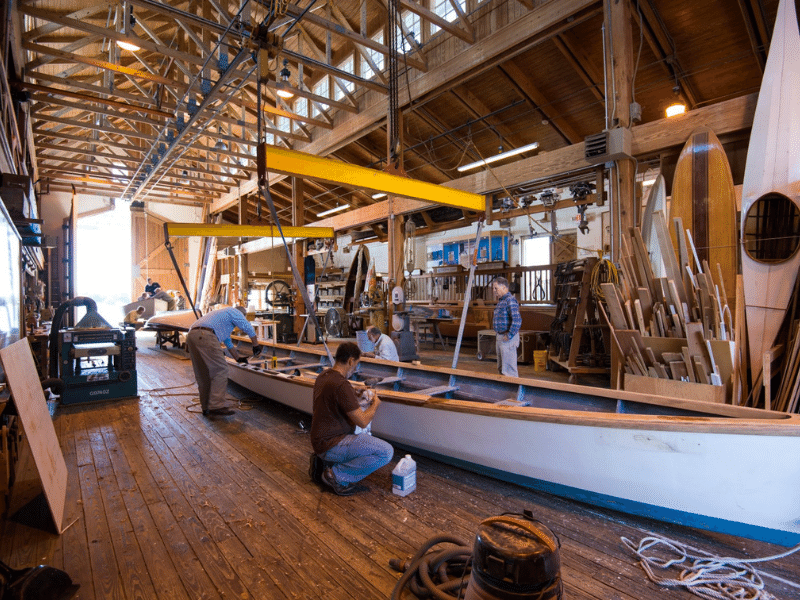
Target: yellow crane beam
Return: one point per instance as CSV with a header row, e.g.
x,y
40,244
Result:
x,y
299,164
250,231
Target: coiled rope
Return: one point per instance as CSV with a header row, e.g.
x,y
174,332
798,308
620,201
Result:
x,y
704,574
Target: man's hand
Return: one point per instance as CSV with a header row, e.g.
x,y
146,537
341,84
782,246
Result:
x,y
242,360
257,350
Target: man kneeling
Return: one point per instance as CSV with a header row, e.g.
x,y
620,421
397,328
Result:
x,y
350,457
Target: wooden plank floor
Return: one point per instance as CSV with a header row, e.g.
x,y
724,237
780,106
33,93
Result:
x,y
164,503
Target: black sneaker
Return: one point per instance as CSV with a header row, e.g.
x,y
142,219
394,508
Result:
x,y
315,468
329,479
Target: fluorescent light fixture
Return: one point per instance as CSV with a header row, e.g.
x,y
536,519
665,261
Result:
x,y
330,211
673,110
496,157
378,196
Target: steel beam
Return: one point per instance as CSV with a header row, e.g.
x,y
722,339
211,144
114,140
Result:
x,y
250,231
300,164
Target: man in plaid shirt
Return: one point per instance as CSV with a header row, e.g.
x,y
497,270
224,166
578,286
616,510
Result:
x,y
506,323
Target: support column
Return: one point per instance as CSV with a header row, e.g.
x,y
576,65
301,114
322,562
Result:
x,y
242,258
298,220
619,74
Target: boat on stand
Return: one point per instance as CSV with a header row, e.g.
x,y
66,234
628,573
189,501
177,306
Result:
x,y
713,466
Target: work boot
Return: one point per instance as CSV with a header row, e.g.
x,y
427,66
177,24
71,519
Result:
x,y
315,468
340,489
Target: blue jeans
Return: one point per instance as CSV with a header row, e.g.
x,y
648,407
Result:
x,y
356,456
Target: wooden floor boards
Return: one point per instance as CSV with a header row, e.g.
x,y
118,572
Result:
x,y
166,504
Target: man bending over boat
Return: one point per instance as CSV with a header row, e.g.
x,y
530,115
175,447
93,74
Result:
x,y
384,346
506,323
341,458
208,359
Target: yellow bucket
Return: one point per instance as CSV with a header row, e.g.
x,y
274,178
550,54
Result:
x,y
540,360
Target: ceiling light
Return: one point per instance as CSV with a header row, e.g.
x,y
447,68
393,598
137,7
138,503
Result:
x,y
128,45
330,211
284,87
496,157
673,110
128,22
378,196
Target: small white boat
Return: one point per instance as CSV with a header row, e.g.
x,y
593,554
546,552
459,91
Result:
x,y
712,466
771,191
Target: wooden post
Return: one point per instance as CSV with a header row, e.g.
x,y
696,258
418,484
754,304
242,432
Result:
x,y
619,72
242,258
298,250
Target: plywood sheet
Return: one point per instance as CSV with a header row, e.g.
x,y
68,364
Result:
x,y
37,424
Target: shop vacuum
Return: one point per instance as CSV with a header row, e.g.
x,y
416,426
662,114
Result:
x,y
515,557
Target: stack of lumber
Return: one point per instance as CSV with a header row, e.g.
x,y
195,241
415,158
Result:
x,y
678,327
788,396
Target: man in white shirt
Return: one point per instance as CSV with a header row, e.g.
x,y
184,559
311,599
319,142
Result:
x,y
384,346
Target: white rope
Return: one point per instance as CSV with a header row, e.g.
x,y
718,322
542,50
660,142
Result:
x,y
704,574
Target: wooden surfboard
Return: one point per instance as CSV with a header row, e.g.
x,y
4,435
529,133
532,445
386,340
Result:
x,y
656,201
704,197
771,191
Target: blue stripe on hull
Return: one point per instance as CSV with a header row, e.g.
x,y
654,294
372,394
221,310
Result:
x,y
650,511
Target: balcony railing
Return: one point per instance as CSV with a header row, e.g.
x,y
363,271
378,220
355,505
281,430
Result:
x,y
448,285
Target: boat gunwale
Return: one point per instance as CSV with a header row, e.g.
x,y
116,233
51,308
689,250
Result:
x,y
739,420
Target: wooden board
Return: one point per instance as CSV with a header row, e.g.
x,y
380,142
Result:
x,y
32,408
656,202
675,389
356,278
703,196
772,168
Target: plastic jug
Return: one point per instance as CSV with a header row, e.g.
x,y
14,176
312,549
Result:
x,y
404,476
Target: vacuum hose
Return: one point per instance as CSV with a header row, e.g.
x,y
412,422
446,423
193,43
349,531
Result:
x,y
441,574
90,305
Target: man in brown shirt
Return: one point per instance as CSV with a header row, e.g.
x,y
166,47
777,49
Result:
x,y
350,457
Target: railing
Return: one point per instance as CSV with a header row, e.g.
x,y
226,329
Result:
x,y
534,285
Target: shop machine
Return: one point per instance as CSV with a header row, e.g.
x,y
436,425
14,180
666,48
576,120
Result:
x,y
94,360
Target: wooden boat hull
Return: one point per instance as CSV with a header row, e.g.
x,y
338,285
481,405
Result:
x,y
716,467
773,167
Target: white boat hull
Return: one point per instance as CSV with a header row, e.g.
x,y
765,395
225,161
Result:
x,y
737,476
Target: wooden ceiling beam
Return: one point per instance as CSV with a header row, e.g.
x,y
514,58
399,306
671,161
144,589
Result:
x,y
583,66
89,106
348,33
753,17
478,109
660,42
519,79
52,92
75,83
431,17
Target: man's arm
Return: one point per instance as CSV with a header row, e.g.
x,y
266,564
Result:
x,y
516,319
362,418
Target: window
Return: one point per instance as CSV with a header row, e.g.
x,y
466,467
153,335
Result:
x,y
300,107
284,124
321,88
413,25
377,57
348,66
444,9
536,251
